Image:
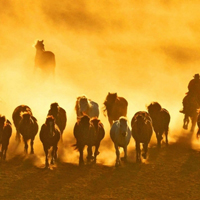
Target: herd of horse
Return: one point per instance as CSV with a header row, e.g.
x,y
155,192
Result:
x,y
88,129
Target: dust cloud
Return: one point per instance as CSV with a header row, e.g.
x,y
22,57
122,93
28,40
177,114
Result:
x,y
145,51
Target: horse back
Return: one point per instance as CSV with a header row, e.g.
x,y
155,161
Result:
x,y
94,109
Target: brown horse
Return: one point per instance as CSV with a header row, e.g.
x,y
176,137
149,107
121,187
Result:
x,y
5,134
59,115
115,107
28,128
17,116
191,106
45,60
50,136
88,132
161,119
142,130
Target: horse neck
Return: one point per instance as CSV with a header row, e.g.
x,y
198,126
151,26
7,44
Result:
x,y
39,51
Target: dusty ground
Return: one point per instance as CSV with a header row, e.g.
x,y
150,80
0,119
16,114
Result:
x,y
171,172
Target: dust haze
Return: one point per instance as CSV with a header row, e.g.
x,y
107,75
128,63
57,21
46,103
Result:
x,y
145,51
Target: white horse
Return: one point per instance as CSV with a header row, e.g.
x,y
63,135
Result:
x,y
85,106
120,134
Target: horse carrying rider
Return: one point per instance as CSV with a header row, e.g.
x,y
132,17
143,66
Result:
x,y
193,94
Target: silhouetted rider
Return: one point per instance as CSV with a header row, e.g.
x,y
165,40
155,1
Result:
x,y
192,98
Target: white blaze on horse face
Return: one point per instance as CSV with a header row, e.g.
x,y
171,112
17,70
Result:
x,y
123,128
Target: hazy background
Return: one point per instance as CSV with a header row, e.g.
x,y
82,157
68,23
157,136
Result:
x,y
145,51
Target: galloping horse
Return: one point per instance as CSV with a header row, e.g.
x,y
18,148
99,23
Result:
x,y
59,115
28,128
5,134
85,106
142,130
120,134
190,111
50,136
45,60
88,133
160,118
115,107
17,116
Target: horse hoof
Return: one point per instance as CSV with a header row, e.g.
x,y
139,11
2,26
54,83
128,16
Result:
x,y
117,164
124,159
144,155
185,127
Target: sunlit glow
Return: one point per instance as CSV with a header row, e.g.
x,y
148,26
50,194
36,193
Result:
x,y
144,51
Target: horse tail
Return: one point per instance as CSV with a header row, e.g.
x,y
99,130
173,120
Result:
x,y
75,146
104,111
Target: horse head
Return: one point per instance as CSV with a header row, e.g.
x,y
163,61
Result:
x,y
50,123
54,109
154,108
123,126
2,120
39,45
26,116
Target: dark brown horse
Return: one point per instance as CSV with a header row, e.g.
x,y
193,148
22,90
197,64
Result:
x,y
191,106
28,128
45,60
115,107
59,115
142,130
88,133
17,116
5,134
161,119
50,136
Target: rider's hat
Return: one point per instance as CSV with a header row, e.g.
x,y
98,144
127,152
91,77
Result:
x,y
196,76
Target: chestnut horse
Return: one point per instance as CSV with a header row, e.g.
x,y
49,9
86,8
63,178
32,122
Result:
x,y
5,134
88,133
59,115
115,107
50,136
142,130
17,116
160,120
28,128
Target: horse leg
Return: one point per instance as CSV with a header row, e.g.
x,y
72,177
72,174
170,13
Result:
x,y
32,142
89,156
81,161
186,122
159,138
54,154
125,154
46,157
117,156
145,148
194,121
96,153
166,137
25,146
138,152
18,137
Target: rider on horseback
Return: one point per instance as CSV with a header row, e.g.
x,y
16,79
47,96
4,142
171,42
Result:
x,y
193,94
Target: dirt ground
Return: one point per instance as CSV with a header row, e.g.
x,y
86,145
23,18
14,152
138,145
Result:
x,y
171,172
